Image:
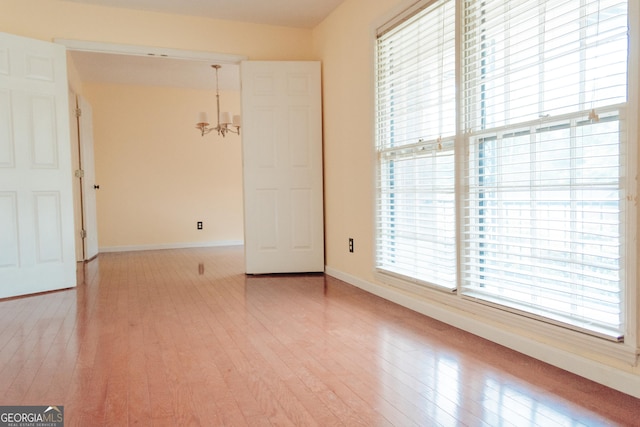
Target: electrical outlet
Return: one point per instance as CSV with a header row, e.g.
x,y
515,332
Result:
x,y
199,225
350,245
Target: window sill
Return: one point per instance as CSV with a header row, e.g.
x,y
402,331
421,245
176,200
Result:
x,y
510,329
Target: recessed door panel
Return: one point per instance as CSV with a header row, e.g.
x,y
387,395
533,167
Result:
x,y
39,68
263,84
47,213
298,84
266,149
9,250
42,121
302,217
6,134
299,134
267,204
4,60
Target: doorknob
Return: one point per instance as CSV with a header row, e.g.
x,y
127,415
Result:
x,y
97,187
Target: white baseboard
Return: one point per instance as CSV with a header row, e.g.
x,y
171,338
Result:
x,y
170,246
624,381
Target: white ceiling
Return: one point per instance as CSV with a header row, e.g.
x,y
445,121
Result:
x,y
290,13
160,70
112,68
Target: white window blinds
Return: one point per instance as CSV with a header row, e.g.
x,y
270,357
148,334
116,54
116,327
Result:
x,y
540,137
415,144
530,59
545,93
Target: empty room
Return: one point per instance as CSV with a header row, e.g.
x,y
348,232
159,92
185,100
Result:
x,y
319,212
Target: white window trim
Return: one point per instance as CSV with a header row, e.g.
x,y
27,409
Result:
x,y
632,254
490,317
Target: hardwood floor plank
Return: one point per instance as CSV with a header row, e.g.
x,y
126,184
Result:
x,y
36,347
183,337
139,405
56,367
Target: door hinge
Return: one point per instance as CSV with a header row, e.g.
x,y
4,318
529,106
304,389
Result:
x,y
79,173
78,112
83,234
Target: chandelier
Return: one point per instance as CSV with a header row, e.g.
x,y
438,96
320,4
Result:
x,y
225,123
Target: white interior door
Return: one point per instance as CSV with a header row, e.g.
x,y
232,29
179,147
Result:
x,y
37,250
282,162
89,186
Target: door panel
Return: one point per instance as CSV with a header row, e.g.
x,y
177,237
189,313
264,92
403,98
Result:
x,y
282,161
7,157
47,212
36,202
9,255
43,134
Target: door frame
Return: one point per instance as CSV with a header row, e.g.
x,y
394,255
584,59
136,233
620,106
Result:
x,y
76,164
84,203
138,50
131,50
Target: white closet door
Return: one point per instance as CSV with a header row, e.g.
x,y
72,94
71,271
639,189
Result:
x,y
282,161
37,251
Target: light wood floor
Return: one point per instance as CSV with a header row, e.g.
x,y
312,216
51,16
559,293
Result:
x,y
183,337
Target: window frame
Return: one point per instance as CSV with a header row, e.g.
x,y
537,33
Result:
x,y
405,142
626,350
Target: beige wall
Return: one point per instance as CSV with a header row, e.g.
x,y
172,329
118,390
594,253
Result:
x,y
158,176
49,19
345,42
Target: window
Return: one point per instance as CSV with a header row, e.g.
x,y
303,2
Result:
x,y
416,134
539,133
